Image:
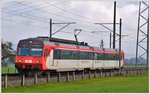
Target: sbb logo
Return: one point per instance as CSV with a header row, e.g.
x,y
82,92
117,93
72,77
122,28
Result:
x,y
28,61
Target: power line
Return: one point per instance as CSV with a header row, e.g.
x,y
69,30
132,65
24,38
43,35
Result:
x,y
70,12
24,23
33,18
48,13
47,5
26,16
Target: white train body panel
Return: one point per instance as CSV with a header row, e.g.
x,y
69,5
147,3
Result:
x,y
85,64
71,65
66,64
105,64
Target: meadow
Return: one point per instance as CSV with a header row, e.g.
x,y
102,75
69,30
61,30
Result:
x,y
116,84
133,66
9,69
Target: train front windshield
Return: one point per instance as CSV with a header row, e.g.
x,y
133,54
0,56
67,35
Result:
x,y
30,50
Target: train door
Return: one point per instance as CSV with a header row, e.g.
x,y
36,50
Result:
x,y
78,59
122,60
56,56
48,55
94,60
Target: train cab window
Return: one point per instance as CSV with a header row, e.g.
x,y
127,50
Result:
x,y
36,50
23,50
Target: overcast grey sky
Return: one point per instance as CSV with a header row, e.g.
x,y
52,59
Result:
x,y
30,18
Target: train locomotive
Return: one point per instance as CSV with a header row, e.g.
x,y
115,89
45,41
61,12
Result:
x,y
41,55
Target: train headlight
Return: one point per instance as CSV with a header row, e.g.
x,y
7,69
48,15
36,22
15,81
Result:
x,y
19,60
37,61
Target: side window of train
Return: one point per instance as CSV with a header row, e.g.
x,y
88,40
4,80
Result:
x,y
117,57
57,54
74,55
95,56
68,54
110,56
91,55
105,56
46,52
100,56
78,54
120,57
64,54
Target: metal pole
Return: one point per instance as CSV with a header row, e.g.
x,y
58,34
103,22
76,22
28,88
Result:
x,y
67,76
120,45
50,29
35,78
5,82
23,80
114,25
110,40
48,77
82,74
137,43
74,76
148,40
59,75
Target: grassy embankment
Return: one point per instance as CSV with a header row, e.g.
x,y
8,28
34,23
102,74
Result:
x,y
136,83
133,66
9,69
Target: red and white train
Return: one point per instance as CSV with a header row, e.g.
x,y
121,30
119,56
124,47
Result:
x,y
40,54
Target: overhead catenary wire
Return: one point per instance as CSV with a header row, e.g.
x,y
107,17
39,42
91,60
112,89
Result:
x,y
43,6
49,12
24,23
53,14
71,12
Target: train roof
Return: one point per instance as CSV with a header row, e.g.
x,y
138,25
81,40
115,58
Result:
x,y
33,40
64,42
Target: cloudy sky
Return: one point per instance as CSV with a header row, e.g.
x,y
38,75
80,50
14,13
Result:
x,y
30,18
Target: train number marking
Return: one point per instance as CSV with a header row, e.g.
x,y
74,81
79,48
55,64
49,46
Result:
x,y
28,61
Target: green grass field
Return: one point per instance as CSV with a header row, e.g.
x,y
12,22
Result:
x,y
137,83
9,69
132,66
